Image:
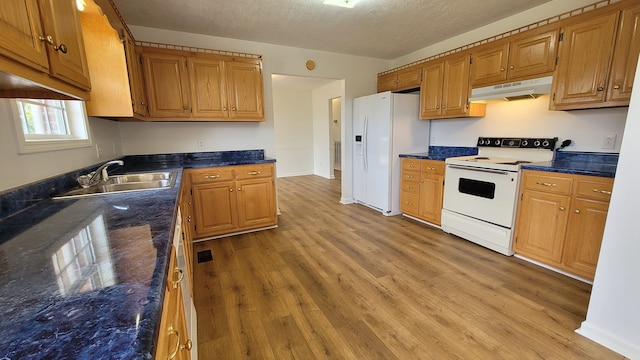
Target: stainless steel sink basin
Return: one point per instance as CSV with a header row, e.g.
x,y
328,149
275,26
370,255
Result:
x,y
126,183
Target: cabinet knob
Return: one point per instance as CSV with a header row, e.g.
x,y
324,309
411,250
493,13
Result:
x,y
617,87
224,108
48,39
187,345
233,108
600,88
180,277
437,107
62,48
561,208
501,69
230,189
239,189
511,67
444,106
185,107
576,211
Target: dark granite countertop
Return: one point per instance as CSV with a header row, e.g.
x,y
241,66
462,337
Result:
x,y
580,163
441,153
84,278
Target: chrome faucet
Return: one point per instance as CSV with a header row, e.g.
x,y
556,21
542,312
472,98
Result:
x,y
100,174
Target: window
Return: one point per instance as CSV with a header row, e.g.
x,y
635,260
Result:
x,y
43,125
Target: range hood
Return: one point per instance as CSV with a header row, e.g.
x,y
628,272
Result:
x,y
525,89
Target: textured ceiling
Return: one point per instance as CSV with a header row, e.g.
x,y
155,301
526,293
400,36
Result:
x,y
384,29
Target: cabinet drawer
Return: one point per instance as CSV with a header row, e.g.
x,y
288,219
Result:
x,y
254,171
411,164
409,176
430,167
409,202
208,175
410,186
547,183
599,189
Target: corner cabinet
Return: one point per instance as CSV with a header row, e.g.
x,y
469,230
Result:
x,y
422,187
561,220
42,45
233,199
444,90
202,87
597,61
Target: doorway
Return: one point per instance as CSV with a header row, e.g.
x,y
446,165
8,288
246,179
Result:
x,y
335,133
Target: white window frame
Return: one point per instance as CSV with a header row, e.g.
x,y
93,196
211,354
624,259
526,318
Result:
x,y
78,125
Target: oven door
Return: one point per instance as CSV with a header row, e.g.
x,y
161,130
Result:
x,y
484,194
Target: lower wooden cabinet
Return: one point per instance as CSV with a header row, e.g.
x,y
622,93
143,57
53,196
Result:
x,y
173,341
233,199
561,220
422,186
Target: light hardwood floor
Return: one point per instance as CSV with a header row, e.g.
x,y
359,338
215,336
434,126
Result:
x,y
340,281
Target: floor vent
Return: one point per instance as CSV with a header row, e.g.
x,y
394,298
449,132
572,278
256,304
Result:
x,y
204,256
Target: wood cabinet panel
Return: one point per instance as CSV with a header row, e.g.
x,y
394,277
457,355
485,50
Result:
x,y
431,90
431,192
20,26
244,81
422,188
532,56
584,237
256,203
215,208
547,182
387,82
207,90
399,80
208,175
490,65
585,56
625,56
167,85
541,233
455,93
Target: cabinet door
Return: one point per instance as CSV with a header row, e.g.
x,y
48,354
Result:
x,y
208,96
136,80
584,236
20,27
167,85
541,226
245,90
387,82
625,58
455,92
409,78
532,56
585,56
489,66
431,90
215,208
68,63
431,189
256,203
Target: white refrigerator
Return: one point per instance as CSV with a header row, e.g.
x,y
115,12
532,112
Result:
x,y
384,125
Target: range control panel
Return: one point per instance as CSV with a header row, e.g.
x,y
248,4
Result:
x,y
522,143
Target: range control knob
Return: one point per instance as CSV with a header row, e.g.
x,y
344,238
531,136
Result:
x,y
497,142
545,143
481,141
525,143
536,143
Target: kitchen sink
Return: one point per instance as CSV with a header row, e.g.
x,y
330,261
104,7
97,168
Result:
x,y
125,183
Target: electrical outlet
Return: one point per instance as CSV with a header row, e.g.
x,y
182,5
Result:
x,y
98,150
609,141
201,144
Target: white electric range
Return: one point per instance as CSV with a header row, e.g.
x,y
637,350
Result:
x,y
481,191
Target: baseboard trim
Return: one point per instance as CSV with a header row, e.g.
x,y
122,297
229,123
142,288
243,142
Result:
x,y
609,340
235,233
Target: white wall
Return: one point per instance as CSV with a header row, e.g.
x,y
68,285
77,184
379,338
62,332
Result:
x,y
293,123
323,164
359,79
20,169
531,118
613,318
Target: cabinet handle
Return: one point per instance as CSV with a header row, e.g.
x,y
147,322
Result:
x,y
173,331
511,67
600,88
409,187
561,208
617,87
409,176
49,39
224,108
501,69
254,173
437,107
180,277
411,166
576,211
546,183
189,218
431,168
187,345
185,107
233,108
230,189
602,191
62,48
408,202
212,176
239,189
444,106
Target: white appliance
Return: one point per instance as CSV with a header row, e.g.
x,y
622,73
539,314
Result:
x,y
481,191
384,126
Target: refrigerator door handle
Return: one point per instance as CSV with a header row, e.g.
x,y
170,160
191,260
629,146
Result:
x,y
365,160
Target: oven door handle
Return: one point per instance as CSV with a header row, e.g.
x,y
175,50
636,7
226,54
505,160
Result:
x,y
491,171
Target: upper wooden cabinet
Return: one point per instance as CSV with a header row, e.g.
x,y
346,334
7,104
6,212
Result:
x,y
42,50
404,79
198,87
597,59
444,90
526,56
